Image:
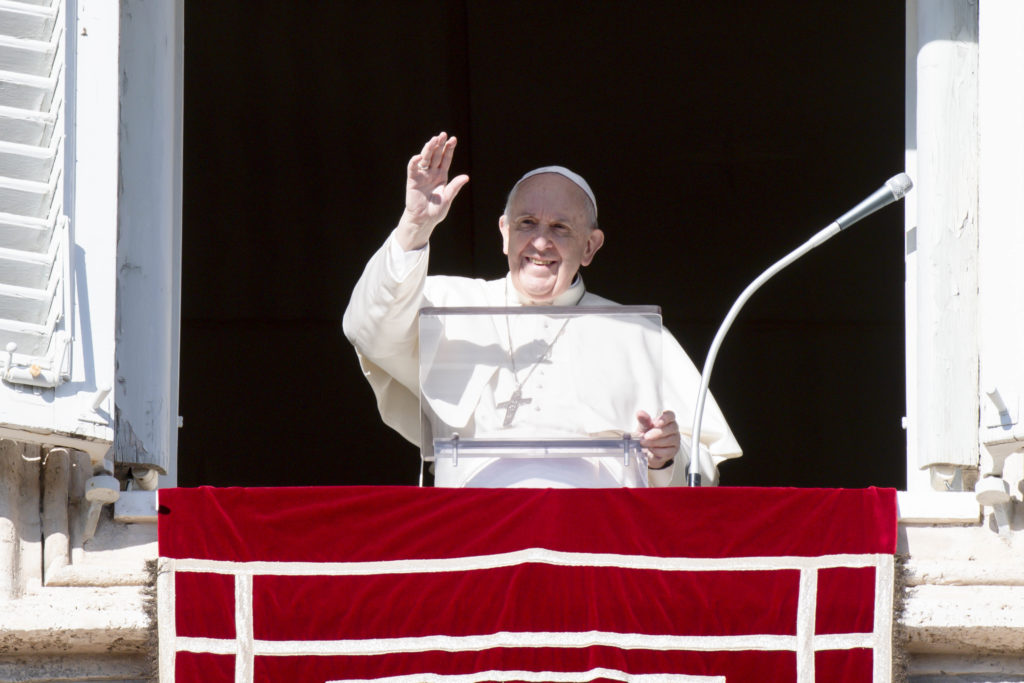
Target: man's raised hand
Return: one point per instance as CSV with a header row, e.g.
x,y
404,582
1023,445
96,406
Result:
x,y
428,192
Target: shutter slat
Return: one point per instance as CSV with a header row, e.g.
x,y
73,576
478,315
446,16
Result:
x,y
27,56
25,233
25,305
25,268
40,3
26,197
22,20
33,340
30,162
26,127
25,91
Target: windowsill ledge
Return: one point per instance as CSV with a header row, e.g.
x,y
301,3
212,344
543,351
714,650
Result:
x,y
136,507
938,507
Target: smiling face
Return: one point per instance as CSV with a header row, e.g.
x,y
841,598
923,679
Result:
x,y
547,232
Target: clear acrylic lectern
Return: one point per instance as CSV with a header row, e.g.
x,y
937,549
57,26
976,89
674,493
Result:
x,y
537,395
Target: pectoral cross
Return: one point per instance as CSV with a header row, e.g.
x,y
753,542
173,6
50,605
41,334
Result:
x,y
512,405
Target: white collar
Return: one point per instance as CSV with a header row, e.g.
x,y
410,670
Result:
x,y
570,297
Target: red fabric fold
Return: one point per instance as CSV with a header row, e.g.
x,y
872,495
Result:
x,y
394,523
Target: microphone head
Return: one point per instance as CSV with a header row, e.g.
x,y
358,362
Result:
x,y
899,185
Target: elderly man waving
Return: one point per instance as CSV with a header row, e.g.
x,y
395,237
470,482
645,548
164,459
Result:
x,y
549,231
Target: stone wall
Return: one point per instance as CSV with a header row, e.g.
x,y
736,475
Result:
x,y
73,601
963,616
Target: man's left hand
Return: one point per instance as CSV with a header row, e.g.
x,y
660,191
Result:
x,y
660,437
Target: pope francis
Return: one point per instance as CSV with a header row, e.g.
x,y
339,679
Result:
x,y
549,231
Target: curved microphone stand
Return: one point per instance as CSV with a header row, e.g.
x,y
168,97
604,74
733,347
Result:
x,y
894,189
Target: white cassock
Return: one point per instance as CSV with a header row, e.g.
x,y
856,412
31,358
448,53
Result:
x,y
381,322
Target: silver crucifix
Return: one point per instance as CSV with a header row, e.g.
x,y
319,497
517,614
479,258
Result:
x,y
512,405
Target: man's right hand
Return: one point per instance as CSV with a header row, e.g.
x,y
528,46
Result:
x,y
428,192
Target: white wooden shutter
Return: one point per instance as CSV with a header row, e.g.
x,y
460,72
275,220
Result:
x,y
35,257
90,225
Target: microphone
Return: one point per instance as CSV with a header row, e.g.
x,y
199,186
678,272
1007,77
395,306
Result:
x,y
895,189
